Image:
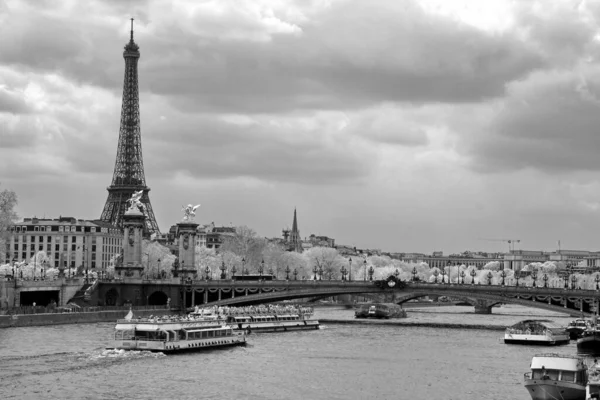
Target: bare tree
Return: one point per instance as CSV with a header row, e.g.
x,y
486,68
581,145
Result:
x,y
8,202
246,244
325,259
297,262
274,256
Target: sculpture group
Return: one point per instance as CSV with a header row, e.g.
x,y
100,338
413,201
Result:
x,y
189,212
135,201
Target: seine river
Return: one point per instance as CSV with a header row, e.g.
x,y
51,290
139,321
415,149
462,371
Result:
x,y
339,361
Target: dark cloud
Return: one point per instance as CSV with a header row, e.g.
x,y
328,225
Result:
x,y
17,134
352,55
348,56
13,102
550,122
210,148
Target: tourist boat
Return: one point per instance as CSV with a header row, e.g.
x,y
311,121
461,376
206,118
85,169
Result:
x,y
555,376
589,342
170,334
592,390
380,310
576,327
536,331
272,318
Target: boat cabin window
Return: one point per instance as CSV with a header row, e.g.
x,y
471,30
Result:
x,y
549,373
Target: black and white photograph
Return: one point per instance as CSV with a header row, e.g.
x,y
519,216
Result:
x,y
300,199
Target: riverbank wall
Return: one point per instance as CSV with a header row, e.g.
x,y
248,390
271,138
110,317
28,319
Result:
x,y
24,320
411,324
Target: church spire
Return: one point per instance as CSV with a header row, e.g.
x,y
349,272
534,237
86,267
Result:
x,y
295,223
295,240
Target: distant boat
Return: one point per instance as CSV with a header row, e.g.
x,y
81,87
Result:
x,y
536,332
577,326
555,376
380,310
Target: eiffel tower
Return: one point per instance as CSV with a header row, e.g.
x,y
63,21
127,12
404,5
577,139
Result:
x,y
128,176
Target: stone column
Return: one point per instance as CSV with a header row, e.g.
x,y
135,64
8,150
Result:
x,y
133,224
186,233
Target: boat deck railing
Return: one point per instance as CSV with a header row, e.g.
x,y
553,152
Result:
x,y
254,311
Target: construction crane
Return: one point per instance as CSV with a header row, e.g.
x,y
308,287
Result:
x,y
511,242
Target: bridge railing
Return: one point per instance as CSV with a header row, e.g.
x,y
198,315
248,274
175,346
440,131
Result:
x,y
24,310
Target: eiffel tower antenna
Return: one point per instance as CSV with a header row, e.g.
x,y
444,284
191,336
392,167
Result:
x,y
128,176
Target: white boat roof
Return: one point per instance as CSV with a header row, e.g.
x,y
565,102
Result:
x,y
532,322
151,326
558,361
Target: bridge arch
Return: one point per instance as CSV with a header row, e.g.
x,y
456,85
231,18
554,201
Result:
x,y
158,298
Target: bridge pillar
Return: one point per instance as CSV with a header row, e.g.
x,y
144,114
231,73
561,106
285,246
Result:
x,y
219,291
187,243
133,227
483,307
193,297
205,295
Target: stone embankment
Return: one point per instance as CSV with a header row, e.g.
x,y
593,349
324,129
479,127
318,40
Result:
x,y
410,323
21,320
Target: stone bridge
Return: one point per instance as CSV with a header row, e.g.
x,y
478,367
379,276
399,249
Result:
x,y
228,292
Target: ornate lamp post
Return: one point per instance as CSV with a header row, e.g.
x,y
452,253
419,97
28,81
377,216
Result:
x,y
157,267
503,275
443,275
573,281
223,269
350,269
261,268
320,272
517,277
343,271
365,265
435,274
295,274
233,271
397,273
207,271
473,273
534,277
287,272
371,271
244,270
597,279
315,269
568,278
489,276
462,277
414,274
545,278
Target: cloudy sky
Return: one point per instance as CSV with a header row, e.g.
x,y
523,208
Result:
x,y
414,125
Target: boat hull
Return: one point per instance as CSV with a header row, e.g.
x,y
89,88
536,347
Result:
x,y
178,346
589,344
575,333
547,389
276,326
539,340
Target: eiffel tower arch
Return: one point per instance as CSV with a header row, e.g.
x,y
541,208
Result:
x,y
128,176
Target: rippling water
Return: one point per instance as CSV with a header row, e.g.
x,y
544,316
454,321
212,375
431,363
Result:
x,y
339,361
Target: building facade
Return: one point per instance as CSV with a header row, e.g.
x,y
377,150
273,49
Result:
x,y
66,241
